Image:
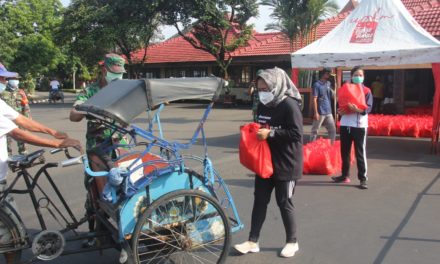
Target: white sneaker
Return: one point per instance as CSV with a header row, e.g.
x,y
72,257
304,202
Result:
x,y
289,250
247,247
123,256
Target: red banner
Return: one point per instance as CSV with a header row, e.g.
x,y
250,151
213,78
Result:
x,y
366,27
295,77
364,32
436,107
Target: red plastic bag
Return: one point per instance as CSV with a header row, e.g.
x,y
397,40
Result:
x,y
322,158
426,130
413,130
397,128
372,128
319,159
352,93
255,154
384,129
306,156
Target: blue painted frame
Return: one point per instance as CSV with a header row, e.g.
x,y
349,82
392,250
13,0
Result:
x,y
171,178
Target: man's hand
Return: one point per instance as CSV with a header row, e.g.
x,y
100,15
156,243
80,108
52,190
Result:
x,y
75,116
263,133
316,116
69,142
60,135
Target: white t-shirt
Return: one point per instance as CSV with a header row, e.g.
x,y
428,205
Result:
x,y
54,84
355,120
7,115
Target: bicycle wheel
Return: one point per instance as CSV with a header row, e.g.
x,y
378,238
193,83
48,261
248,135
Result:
x,y
10,237
185,226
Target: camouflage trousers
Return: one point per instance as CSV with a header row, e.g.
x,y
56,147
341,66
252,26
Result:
x,y
91,187
21,146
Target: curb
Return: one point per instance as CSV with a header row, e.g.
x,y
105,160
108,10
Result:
x,y
38,101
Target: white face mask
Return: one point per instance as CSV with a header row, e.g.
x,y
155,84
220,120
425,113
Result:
x,y
13,83
265,97
110,76
2,87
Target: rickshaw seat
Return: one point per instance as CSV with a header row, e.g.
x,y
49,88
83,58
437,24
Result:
x,y
128,159
112,208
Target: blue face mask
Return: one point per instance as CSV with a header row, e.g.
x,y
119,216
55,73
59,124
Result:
x,y
357,79
110,76
2,87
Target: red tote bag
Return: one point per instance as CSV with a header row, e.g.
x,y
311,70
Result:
x,y
255,154
352,93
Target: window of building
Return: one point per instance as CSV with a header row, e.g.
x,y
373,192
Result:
x,y
186,72
150,74
199,72
246,75
240,75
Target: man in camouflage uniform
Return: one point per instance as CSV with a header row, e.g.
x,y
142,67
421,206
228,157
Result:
x,y
16,98
98,137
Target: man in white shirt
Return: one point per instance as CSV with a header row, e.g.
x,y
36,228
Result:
x,y
10,120
54,84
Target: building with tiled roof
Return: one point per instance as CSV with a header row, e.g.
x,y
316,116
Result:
x,y
177,58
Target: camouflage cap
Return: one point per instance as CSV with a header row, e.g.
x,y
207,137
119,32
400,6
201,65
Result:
x,y
114,63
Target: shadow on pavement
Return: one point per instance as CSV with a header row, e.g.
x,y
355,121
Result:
x,y
403,149
327,184
429,165
396,234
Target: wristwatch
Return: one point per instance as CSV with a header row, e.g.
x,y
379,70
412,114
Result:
x,y
272,133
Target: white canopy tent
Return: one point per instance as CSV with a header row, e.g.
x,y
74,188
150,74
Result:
x,y
378,34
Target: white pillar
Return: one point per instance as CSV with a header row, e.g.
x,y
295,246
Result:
x,y
74,71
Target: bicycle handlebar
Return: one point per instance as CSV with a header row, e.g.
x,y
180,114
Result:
x,y
72,161
53,151
85,161
66,152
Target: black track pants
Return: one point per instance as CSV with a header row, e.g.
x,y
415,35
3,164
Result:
x,y
358,136
284,191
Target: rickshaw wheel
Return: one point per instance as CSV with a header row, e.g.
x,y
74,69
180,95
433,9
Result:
x,y
10,229
183,226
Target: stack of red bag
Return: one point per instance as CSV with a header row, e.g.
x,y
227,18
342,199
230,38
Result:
x,y
400,125
322,158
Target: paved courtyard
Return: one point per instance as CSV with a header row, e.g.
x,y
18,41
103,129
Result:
x,y
395,221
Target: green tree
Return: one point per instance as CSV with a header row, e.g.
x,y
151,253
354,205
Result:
x,y
36,55
217,27
26,27
94,28
296,19
81,33
317,11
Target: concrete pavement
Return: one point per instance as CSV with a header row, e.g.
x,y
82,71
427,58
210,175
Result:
x,y
395,221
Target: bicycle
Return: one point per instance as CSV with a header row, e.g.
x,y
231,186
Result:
x,y
161,210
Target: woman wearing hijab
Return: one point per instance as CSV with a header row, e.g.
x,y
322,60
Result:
x,y
279,114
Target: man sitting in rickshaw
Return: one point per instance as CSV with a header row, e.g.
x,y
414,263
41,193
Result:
x,y
99,139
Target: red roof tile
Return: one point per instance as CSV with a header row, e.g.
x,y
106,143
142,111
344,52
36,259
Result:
x,y
414,3
425,12
430,20
173,50
351,4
